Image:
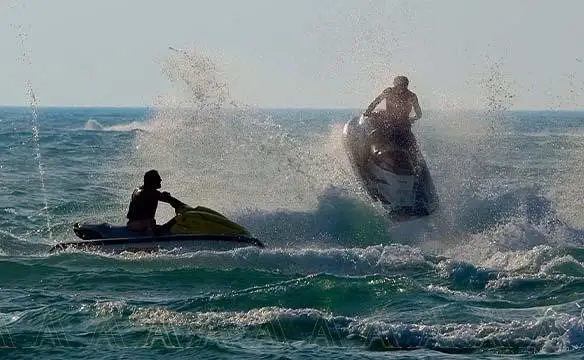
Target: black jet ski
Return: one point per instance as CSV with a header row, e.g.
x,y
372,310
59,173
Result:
x,y
393,171
192,229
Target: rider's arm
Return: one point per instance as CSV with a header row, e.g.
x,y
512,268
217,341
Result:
x,y
175,203
375,102
417,108
167,198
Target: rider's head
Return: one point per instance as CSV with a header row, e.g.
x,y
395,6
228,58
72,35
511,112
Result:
x,y
152,179
401,82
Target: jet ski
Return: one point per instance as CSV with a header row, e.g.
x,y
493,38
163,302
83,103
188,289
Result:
x,y
191,229
392,173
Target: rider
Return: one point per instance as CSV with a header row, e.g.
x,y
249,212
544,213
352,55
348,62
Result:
x,y
396,122
144,203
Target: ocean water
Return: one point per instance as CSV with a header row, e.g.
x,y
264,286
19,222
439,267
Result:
x,y
497,271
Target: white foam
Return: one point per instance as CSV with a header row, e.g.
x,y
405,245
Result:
x,y
94,125
552,332
342,261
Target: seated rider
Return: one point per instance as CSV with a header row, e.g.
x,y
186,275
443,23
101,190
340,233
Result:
x,y
395,122
144,203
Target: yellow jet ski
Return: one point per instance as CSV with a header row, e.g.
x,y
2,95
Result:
x,y
191,229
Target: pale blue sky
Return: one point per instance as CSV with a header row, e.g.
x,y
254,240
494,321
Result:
x,y
301,53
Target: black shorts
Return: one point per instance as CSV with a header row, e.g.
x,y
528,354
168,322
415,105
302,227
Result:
x,y
398,136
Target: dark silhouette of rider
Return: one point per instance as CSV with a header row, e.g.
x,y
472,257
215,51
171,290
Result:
x,y
145,198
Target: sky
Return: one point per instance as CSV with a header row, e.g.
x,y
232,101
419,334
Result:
x,y
520,54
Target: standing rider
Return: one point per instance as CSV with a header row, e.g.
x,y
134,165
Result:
x,y
395,123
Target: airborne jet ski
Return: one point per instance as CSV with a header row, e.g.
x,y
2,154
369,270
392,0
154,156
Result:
x,y
191,229
391,172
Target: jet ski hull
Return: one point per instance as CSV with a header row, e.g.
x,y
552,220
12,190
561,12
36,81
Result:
x,y
184,243
397,177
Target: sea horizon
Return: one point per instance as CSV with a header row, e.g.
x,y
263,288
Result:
x,y
72,106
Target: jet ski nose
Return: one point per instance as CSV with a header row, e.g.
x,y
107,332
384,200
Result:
x,y
76,228
85,232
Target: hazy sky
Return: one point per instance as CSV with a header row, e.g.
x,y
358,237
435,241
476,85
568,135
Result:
x,y
300,53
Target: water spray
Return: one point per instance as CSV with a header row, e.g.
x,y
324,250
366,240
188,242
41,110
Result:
x,y
35,125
